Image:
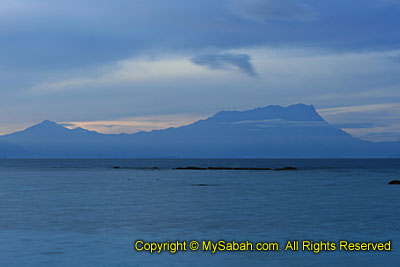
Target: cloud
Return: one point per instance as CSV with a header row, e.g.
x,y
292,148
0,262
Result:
x,y
67,124
263,10
128,71
282,123
156,69
390,1
226,61
58,35
136,124
374,122
173,84
388,133
394,58
359,109
353,125
100,60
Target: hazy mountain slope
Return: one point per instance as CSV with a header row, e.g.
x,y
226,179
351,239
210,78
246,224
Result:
x,y
51,139
8,150
273,131
295,131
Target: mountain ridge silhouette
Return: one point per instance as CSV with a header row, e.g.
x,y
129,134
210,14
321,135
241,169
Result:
x,y
268,132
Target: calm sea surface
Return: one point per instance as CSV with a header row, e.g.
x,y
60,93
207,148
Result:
x,y
86,213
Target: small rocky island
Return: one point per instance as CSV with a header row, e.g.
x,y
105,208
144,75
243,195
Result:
x,y
287,168
194,168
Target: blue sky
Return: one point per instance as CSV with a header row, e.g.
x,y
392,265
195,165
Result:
x,y
122,65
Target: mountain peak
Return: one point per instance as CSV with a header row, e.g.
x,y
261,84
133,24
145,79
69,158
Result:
x,y
301,106
297,112
50,130
48,123
46,127
265,132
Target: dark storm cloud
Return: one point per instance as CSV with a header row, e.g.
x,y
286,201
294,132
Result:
x,y
226,61
62,34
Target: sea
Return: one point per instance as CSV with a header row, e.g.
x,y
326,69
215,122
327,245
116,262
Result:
x,y
89,212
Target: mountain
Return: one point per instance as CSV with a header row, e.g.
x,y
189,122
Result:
x,y
8,150
268,132
49,139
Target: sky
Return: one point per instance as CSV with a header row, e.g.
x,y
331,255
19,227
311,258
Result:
x,y
131,65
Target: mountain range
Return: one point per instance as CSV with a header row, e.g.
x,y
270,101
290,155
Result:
x,y
296,131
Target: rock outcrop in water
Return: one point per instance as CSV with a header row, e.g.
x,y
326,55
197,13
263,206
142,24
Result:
x,y
238,169
191,168
235,169
286,168
194,168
